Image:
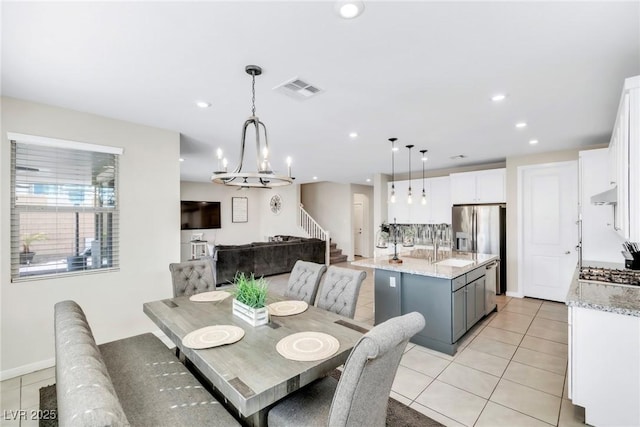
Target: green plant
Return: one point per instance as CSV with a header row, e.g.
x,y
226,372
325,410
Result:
x,y
28,239
250,291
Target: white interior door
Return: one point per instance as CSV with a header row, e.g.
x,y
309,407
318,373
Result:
x,y
358,223
549,234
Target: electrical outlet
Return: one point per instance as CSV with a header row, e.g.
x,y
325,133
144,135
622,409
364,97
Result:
x,y
392,282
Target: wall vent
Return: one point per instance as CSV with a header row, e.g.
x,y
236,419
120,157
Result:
x,y
298,88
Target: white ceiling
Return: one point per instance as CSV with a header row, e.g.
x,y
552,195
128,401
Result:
x,y
423,72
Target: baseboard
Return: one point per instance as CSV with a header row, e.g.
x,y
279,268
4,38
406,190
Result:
x,y
515,294
27,369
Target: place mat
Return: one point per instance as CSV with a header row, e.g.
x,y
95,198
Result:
x,y
308,346
209,296
212,336
287,308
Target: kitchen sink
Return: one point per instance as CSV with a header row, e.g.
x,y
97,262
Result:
x,y
455,262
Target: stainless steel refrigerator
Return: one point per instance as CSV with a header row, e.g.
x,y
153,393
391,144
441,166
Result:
x,y
482,229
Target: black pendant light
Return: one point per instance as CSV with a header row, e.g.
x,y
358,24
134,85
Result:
x,y
424,160
392,197
409,196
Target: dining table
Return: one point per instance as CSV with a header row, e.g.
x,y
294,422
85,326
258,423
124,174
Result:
x,y
250,375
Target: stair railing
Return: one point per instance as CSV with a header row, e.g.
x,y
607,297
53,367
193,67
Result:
x,y
313,229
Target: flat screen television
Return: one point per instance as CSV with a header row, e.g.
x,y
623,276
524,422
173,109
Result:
x,y
199,215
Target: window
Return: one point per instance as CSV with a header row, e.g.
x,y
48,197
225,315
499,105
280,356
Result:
x,y
64,207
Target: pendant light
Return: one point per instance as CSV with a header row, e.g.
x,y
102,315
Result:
x,y
392,197
409,197
424,160
264,176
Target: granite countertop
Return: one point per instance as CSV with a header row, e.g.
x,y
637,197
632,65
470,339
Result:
x,y
421,263
618,299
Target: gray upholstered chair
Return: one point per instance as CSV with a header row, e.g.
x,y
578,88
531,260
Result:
x,y
193,277
304,281
340,289
360,397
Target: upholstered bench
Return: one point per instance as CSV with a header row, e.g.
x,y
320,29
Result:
x,y
134,381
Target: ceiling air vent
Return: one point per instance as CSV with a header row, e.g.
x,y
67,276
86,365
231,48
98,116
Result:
x,y
298,89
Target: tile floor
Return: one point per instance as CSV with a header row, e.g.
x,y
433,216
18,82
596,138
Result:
x,y
510,370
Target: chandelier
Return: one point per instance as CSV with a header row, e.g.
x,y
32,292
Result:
x,y
264,177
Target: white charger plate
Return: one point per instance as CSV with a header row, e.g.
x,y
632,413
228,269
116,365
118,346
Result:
x,y
308,346
213,336
287,308
209,296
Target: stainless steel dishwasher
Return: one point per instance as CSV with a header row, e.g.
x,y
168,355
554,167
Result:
x,y
492,286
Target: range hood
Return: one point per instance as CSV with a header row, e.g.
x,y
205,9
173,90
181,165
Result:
x,y
609,197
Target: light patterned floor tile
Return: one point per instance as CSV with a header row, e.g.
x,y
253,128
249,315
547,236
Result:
x,y
409,346
436,416
496,348
526,302
539,379
501,335
571,415
484,362
545,346
549,330
556,307
529,310
452,402
400,398
469,379
423,362
524,399
495,415
410,383
552,315
544,361
435,353
513,322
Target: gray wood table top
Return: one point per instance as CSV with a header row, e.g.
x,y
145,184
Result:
x,y
250,373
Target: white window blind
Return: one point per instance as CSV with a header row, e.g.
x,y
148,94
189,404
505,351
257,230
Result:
x,y
64,208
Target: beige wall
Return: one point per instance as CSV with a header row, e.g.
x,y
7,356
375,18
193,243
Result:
x,y
149,197
261,222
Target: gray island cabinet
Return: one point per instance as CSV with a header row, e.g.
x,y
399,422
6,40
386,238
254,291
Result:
x,y
452,298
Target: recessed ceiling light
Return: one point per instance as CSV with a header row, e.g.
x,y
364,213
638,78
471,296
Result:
x,y
203,104
498,97
349,9
368,179
181,159
521,125
533,141
315,178
353,135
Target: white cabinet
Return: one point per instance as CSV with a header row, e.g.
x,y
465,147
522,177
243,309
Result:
x,y
487,186
624,161
604,373
437,209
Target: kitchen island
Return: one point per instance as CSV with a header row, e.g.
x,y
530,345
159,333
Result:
x,y
450,291
604,350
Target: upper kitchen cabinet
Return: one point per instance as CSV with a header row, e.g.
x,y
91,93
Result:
x,y
624,161
487,186
437,210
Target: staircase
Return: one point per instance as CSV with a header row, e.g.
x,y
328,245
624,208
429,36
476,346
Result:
x,y
313,229
335,254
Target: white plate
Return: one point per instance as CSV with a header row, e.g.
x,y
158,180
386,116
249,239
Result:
x,y
212,336
308,346
209,296
287,308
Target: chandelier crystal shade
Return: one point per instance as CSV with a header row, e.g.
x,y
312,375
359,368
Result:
x,y
264,177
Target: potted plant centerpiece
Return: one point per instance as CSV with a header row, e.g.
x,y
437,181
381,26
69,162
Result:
x,y
250,298
26,256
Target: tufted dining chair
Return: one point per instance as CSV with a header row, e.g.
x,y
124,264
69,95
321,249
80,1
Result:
x,y
304,280
361,395
340,289
192,277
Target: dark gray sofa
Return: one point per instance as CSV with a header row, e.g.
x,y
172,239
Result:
x,y
266,258
134,381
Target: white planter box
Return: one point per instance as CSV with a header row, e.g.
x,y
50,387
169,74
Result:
x,y
253,316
